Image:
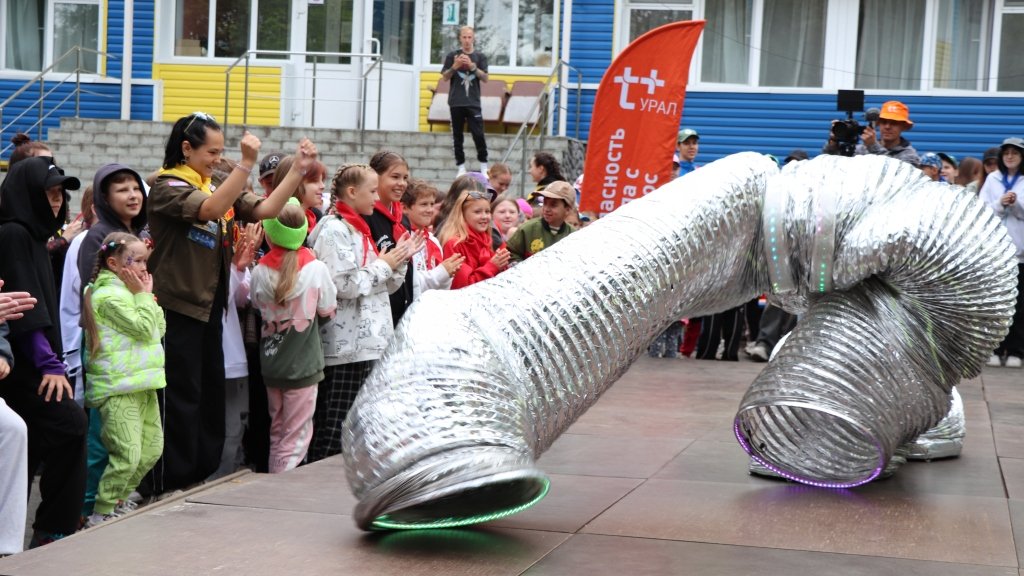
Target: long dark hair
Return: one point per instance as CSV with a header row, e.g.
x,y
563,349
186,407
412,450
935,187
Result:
x,y
192,128
550,165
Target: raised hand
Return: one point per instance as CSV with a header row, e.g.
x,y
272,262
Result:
x,y
132,281
305,156
250,146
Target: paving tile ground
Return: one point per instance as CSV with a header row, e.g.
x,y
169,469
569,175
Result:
x,y
649,481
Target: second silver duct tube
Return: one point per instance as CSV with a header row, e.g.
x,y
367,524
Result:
x,y
905,286
478,382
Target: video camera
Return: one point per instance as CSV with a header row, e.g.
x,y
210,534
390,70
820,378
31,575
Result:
x,y
846,133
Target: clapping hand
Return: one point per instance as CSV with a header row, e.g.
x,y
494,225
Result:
x,y
501,258
453,263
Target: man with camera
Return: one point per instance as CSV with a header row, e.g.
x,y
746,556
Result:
x,y
893,120
466,69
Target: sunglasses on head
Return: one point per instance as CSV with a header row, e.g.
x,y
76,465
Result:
x,y
203,116
488,195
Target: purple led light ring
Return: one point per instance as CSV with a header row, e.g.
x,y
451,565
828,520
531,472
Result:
x,y
748,448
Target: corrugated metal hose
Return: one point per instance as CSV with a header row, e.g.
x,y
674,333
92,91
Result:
x,y
904,286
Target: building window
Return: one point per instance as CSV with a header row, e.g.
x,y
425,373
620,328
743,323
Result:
x,y
508,32
329,29
643,17
1010,76
959,44
535,34
890,42
273,26
230,32
393,26
24,30
793,43
726,51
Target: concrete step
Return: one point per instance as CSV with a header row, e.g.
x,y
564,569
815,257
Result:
x,y
82,145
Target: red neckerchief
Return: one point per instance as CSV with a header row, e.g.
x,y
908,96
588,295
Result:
x,y
433,251
480,241
310,219
273,258
357,222
395,215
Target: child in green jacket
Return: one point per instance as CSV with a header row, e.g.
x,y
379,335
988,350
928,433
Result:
x,y
124,368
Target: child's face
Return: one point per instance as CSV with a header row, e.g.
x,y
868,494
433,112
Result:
x,y
506,215
554,212
393,183
312,195
206,157
501,182
477,214
125,199
422,213
133,257
55,197
364,196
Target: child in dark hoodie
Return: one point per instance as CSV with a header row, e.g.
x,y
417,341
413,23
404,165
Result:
x,y
33,205
119,202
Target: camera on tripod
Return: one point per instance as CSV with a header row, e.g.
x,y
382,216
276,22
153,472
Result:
x,y
846,133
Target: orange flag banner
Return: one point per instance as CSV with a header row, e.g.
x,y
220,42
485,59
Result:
x,y
636,118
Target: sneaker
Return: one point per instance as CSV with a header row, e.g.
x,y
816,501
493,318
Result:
x,y
96,519
135,497
124,507
995,361
1013,362
749,348
462,170
483,168
759,353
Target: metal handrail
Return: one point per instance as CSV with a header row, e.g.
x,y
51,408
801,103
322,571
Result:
x,y
526,129
375,58
43,93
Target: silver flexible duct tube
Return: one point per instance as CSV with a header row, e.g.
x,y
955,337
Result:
x,y
922,290
478,382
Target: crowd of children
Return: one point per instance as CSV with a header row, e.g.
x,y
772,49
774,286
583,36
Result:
x,y
190,304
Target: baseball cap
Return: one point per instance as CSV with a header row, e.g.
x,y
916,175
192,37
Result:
x,y
930,159
949,158
560,190
685,134
896,111
55,177
269,163
991,154
1012,141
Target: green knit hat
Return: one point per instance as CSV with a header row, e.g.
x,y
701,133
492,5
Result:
x,y
283,236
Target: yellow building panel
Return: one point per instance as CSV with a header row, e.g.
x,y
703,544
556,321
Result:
x,y
428,80
191,87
